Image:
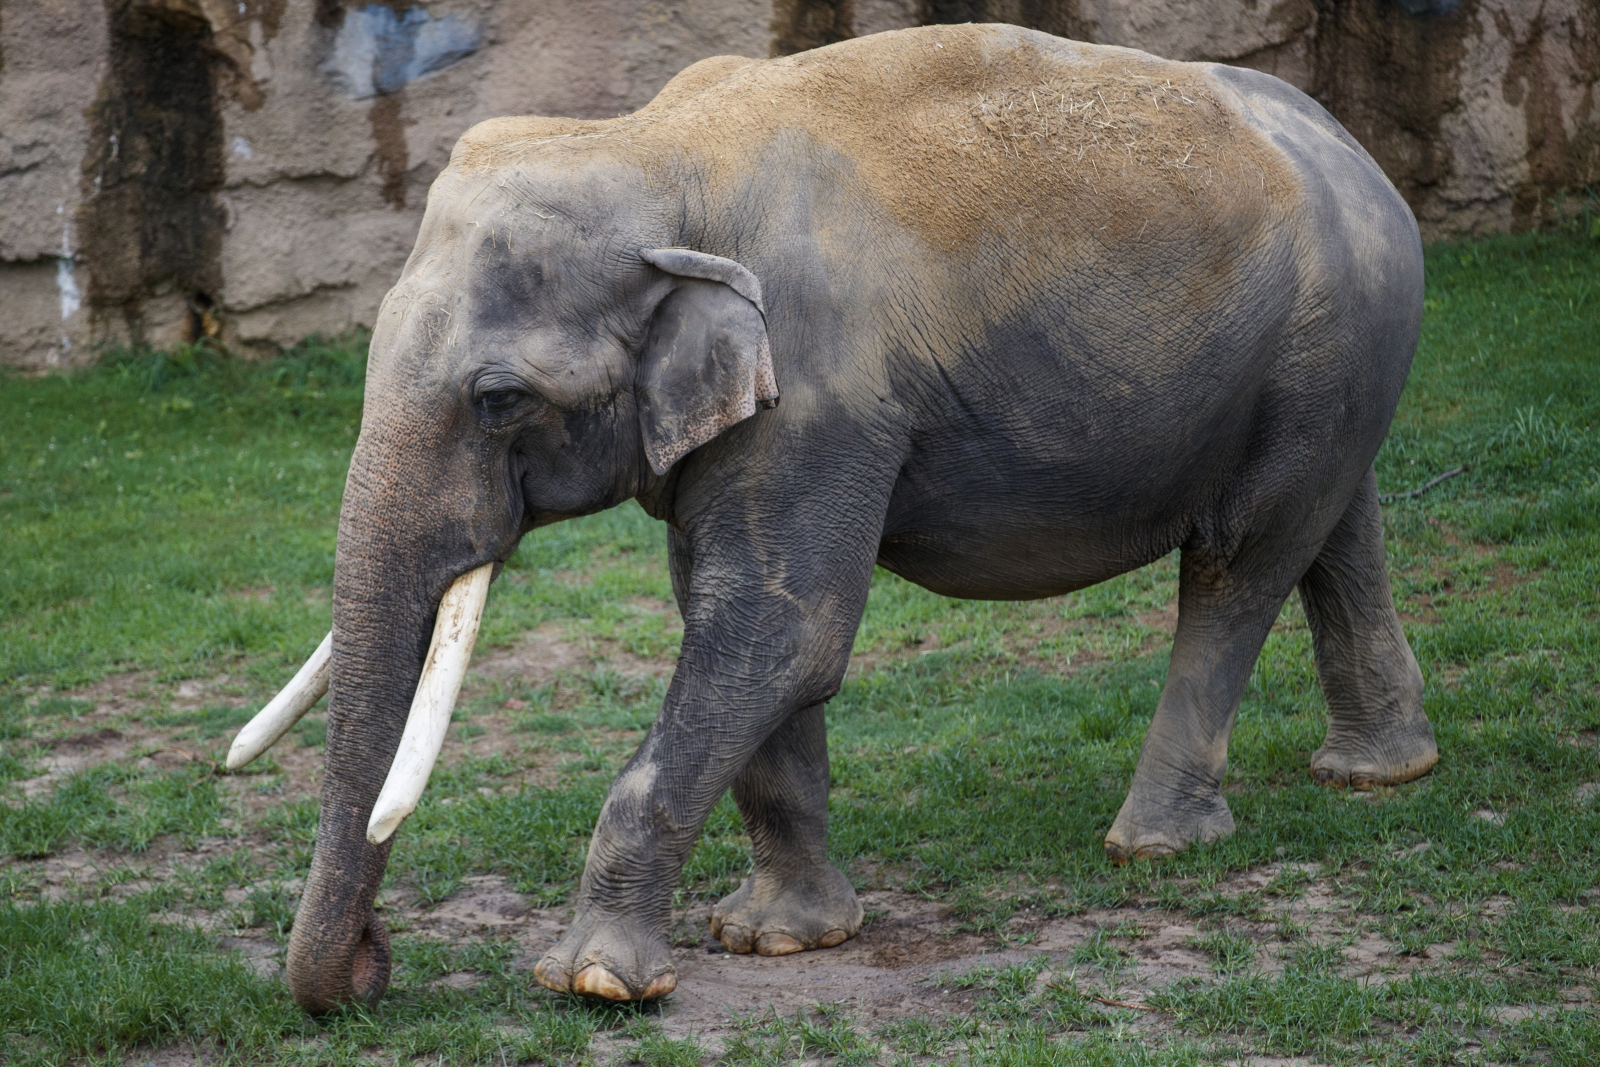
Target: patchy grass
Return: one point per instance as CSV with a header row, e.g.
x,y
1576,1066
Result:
x,y
168,549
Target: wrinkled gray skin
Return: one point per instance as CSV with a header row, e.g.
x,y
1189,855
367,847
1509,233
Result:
x,y
1006,420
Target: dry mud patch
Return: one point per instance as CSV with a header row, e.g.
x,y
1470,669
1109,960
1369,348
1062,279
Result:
x,y
907,961
119,720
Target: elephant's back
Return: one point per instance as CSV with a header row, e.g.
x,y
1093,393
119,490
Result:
x,y
988,132
974,133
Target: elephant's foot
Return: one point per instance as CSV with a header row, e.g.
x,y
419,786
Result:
x,y
1395,753
776,915
609,959
1151,825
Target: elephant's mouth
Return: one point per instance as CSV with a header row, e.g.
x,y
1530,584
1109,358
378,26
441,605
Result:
x,y
455,630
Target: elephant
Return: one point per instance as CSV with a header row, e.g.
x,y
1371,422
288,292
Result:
x,y
1005,314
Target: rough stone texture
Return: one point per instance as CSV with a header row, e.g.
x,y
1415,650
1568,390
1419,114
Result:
x,y
52,61
256,169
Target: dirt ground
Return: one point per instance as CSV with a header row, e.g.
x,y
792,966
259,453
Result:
x,y
895,968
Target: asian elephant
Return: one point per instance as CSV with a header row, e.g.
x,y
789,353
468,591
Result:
x,y
1005,314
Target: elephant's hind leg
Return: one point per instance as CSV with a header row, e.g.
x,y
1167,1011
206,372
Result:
x,y
795,899
1377,732
1227,604
1175,799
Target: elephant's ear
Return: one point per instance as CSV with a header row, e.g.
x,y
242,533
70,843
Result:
x,y
706,362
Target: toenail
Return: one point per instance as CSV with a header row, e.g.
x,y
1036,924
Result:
x,y
552,975
735,938
660,986
777,945
833,937
596,981
1154,852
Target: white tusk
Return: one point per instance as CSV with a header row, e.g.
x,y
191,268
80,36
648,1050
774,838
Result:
x,y
286,709
454,633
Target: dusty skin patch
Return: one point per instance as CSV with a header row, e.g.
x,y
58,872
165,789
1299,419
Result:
x,y
955,130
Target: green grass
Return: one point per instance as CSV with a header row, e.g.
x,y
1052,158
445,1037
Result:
x,y
979,750
117,807
83,979
171,512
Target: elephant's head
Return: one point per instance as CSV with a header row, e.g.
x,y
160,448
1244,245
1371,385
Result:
x,y
546,353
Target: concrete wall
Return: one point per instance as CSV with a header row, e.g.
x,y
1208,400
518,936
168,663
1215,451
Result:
x,y
256,169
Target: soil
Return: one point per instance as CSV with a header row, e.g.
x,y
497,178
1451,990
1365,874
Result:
x,y
896,967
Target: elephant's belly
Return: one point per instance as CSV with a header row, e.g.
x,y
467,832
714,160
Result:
x,y
1032,472
1021,548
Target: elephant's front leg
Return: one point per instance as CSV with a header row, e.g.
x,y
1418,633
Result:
x,y
794,899
766,641
617,947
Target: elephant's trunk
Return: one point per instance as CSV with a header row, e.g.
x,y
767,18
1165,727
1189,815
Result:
x,y
396,559
340,958
338,949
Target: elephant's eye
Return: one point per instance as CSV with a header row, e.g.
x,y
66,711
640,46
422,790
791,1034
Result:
x,y
498,401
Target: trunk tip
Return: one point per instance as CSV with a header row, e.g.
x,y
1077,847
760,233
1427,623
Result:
x,y
367,979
